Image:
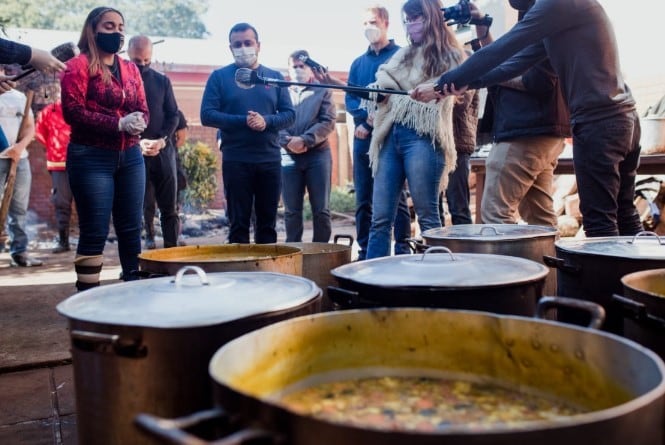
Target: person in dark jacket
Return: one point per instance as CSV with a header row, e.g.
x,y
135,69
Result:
x,y
250,121
159,153
579,40
530,123
104,103
306,156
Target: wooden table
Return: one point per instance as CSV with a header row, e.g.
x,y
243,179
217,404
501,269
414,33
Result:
x,y
649,165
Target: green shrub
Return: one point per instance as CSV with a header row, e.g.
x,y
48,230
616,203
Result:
x,y
341,201
201,168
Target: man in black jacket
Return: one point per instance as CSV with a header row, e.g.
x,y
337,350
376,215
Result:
x,y
159,153
530,123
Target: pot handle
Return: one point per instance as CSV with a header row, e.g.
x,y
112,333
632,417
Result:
x,y
637,311
349,238
172,430
345,299
438,249
416,245
96,342
200,272
489,229
559,263
644,234
596,311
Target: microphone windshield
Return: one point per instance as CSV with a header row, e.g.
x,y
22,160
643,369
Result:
x,y
246,78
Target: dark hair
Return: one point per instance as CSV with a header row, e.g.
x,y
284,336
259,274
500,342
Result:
x,y
87,43
295,55
241,27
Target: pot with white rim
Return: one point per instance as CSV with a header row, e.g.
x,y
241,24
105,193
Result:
x,y
621,383
520,240
145,345
442,279
318,259
591,269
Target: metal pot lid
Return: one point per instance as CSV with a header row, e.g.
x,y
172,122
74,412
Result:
x,y
643,246
191,300
439,267
490,232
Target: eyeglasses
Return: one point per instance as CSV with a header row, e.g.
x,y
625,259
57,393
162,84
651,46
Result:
x,y
416,19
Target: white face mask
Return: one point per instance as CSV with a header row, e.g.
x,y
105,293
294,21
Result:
x,y
299,75
372,33
245,56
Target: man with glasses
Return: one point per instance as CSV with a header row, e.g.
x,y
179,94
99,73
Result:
x,y
249,120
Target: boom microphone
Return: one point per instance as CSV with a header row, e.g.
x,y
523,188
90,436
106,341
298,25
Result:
x,y
247,78
62,52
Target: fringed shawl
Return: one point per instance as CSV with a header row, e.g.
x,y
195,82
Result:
x,y
431,119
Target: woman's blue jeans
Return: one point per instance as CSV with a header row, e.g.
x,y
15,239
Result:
x,y
108,183
307,171
405,155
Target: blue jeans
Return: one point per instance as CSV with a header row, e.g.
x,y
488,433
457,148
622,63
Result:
x,y
108,183
248,184
457,192
405,156
606,154
18,205
307,171
363,184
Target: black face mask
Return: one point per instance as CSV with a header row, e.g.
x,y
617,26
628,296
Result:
x,y
143,68
109,42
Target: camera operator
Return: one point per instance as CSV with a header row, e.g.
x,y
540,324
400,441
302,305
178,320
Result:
x,y
579,40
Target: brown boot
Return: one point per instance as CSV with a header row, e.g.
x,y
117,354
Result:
x,y
63,242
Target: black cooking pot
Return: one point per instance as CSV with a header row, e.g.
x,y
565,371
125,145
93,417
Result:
x,y
145,345
643,307
520,240
620,382
441,279
592,268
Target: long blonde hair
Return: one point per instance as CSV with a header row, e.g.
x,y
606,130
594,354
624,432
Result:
x,y
88,45
441,49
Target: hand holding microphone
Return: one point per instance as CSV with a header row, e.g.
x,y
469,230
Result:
x,y
133,123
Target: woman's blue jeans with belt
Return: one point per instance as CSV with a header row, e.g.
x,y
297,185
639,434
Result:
x,y
405,155
108,183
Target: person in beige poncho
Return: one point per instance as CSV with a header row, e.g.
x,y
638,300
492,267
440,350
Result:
x,y
413,141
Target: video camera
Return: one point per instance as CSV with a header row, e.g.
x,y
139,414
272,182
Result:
x,y
459,14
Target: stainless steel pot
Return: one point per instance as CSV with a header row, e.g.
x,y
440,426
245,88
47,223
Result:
x,y
620,382
524,241
145,345
439,278
643,307
591,269
318,259
223,258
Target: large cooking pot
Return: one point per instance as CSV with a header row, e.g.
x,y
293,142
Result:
x,y
643,307
621,383
440,278
318,259
592,268
223,258
520,240
145,345
652,138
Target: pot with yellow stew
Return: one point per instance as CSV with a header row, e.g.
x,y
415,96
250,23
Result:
x,y
435,376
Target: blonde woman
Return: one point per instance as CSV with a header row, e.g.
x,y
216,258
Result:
x,y
412,140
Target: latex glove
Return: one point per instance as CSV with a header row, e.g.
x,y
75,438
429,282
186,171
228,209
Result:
x,y
133,123
45,61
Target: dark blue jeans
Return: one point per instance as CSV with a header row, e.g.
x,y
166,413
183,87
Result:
x,y
307,171
457,192
247,184
606,154
108,183
363,183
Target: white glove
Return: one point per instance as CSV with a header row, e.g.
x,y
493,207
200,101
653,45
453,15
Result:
x,y
45,61
133,123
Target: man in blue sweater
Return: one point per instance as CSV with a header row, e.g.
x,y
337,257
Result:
x,y
249,121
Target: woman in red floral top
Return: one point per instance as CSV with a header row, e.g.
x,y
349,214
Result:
x,y
104,103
